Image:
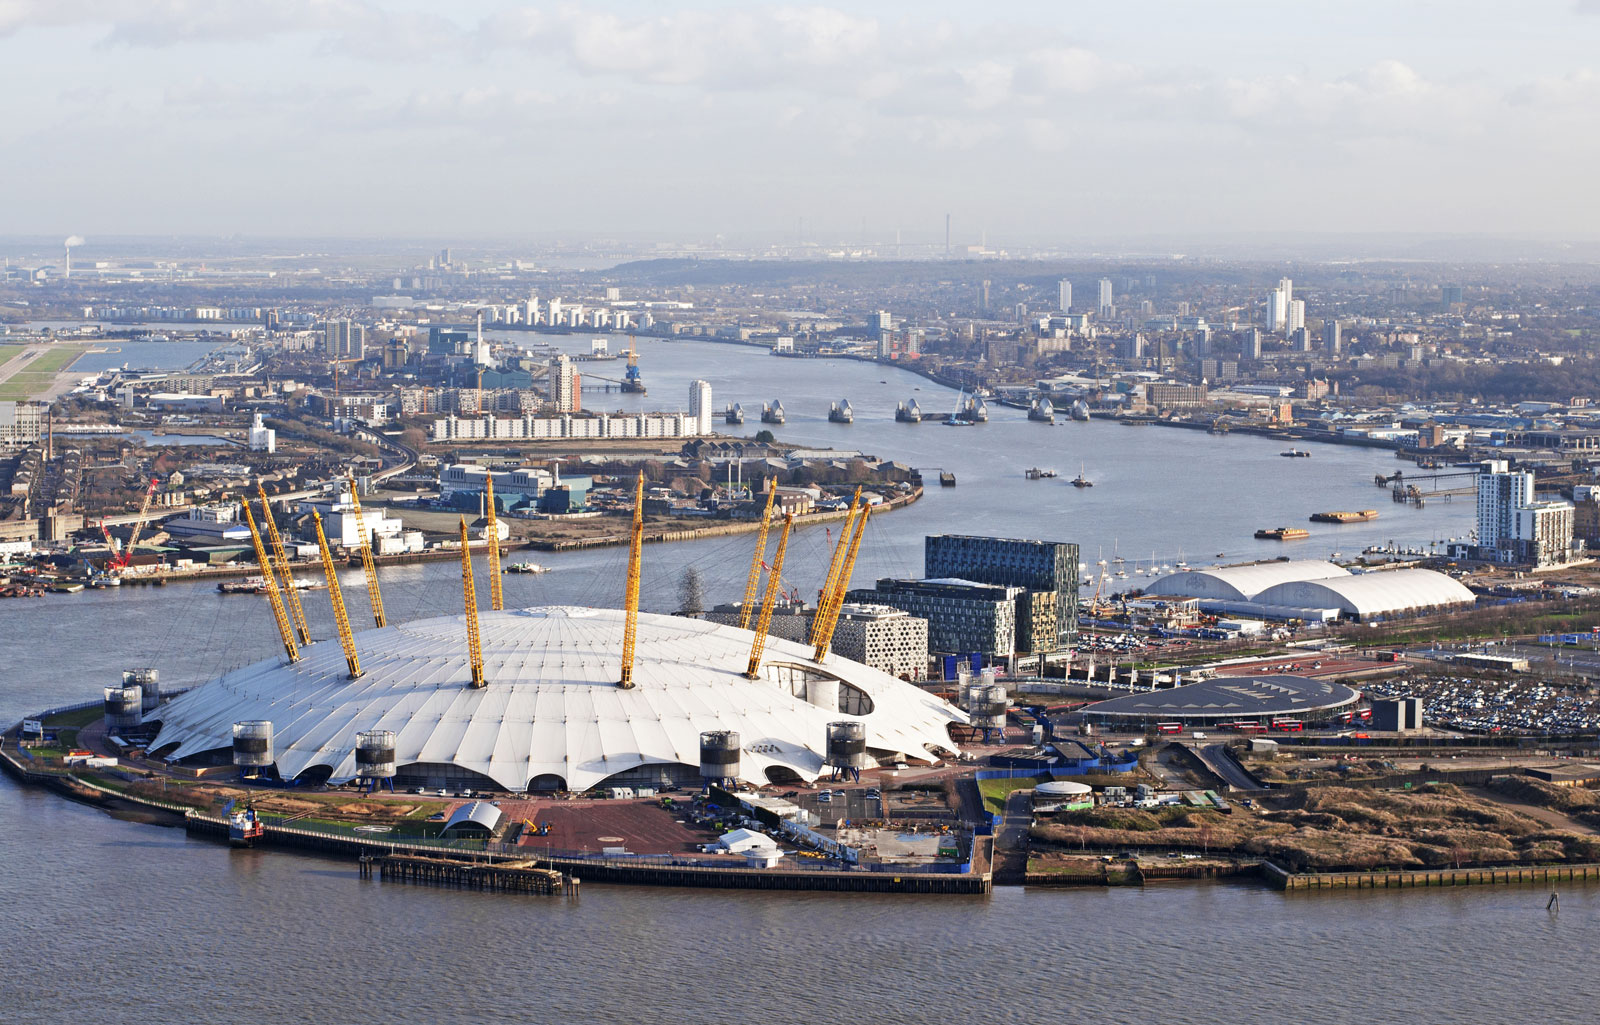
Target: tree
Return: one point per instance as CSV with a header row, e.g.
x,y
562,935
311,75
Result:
x,y
691,598
765,437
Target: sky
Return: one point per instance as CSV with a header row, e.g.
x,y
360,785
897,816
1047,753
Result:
x,y
1060,120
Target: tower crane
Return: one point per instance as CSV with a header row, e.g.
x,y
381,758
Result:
x,y
774,585
630,629
336,364
469,595
271,587
291,593
347,640
752,583
367,565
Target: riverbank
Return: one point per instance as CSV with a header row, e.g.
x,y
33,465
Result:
x,y
719,529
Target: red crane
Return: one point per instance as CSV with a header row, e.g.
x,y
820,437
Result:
x,y
120,562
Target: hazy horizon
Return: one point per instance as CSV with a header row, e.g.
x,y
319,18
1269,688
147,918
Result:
x,y
1042,124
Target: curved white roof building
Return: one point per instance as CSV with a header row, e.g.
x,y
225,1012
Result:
x,y
1304,588
1394,592
551,715
1242,583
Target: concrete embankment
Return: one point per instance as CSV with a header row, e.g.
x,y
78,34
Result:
x,y
1432,877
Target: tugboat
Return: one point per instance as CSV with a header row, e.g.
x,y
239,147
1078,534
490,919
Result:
x,y
1080,481
527,567
734,414
1042,411
245,828
841,413
908,413
772,414
1295,453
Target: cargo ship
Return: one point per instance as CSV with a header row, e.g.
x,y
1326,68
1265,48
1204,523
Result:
x,y
1361,516
1282,534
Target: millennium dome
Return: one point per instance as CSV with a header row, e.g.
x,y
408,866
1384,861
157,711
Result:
x,y
551,715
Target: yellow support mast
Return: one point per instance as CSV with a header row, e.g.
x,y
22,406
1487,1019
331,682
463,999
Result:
x,y
367,565
752,584
497,599
272,589
774,585
347,640
630,629
834,564
836,604
469,595
291,593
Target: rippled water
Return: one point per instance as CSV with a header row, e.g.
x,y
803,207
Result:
x,y
112,920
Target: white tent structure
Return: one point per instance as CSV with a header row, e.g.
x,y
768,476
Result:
x,y
552,715
1242,583
1395,592
1311,590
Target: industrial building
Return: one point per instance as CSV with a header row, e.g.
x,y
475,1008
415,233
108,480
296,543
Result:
x,y
517,490
1314,591
551,714
1041,567
1227,699
1397,714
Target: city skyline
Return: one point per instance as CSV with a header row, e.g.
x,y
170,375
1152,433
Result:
x,y
347,117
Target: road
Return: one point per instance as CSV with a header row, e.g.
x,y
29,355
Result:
x,y
1224,766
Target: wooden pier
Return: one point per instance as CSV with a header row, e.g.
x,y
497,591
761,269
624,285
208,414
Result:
x,y
522,876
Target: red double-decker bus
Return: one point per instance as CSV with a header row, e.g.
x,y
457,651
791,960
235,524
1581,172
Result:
x,y
1288,725
1169,727
1249,727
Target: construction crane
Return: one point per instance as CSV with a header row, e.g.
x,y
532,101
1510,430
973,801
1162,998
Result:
x,y
497,600
336,364
630,628
120,562
271,588
469,596
347,640
829,614
834,565
752,583
291,593
367,565
774,585
631,381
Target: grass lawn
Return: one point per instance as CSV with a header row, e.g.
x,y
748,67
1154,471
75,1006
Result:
x,y
9,352
995,791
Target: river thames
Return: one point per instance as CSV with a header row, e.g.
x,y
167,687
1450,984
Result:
x,y
113,920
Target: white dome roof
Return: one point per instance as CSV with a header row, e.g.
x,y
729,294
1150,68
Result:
x,y
1380,593
551,705
1243,583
